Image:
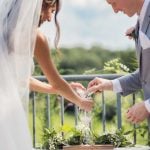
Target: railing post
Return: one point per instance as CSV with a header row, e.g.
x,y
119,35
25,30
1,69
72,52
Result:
x,y
119,118
76,115
103,113
148,122
48,111
134,126
62,110
34,116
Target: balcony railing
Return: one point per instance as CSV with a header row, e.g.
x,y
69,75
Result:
x,y
103,106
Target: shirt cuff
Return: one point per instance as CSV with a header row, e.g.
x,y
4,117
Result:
x,y
116,86
147,105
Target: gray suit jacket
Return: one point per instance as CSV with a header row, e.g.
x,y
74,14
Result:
x,y
140,79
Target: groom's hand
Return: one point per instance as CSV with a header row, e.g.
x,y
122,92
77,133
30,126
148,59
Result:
x,y
137,113
130,33
99,85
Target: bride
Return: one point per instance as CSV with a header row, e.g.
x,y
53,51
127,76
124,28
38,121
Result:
x,y
57,84
19,20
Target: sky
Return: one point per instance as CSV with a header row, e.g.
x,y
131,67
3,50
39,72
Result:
x,y
91,22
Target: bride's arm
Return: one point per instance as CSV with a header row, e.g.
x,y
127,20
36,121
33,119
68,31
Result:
x,y
42,87
43,57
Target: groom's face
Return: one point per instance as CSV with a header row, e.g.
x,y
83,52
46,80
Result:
x,y
128,7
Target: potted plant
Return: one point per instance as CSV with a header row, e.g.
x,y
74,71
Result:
x,y
106,141
116,139
78,139
52,140
81,138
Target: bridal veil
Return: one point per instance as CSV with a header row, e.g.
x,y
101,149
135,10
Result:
x,y
18,24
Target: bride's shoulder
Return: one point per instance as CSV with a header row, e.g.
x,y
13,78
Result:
x,y
41,41
41,37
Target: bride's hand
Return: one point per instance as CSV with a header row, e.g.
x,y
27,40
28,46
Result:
x,y
77,85
86,104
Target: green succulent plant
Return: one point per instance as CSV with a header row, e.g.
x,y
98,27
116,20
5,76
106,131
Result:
x,y
52,140
118,139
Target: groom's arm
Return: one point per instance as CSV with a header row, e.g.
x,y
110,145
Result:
x,y
130,83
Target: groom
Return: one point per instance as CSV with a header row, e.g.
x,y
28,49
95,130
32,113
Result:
x,y
140,79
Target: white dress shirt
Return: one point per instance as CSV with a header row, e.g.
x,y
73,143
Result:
x,y
145,43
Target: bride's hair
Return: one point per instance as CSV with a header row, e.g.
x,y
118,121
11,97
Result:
x,y
51,3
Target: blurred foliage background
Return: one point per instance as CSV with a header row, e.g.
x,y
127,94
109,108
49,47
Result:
x,y
78,60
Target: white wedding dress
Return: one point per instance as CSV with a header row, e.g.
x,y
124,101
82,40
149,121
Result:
x,y
18,24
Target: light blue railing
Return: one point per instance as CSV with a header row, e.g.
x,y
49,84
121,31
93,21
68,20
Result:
x,y
79,78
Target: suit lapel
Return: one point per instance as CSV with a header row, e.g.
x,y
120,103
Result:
x,y
137,42
146,20
145,25
136,31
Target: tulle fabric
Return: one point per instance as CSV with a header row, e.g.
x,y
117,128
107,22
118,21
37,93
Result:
x,y
18,24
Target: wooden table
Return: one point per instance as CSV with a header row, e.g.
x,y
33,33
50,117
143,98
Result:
x,y
105,147
134,148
